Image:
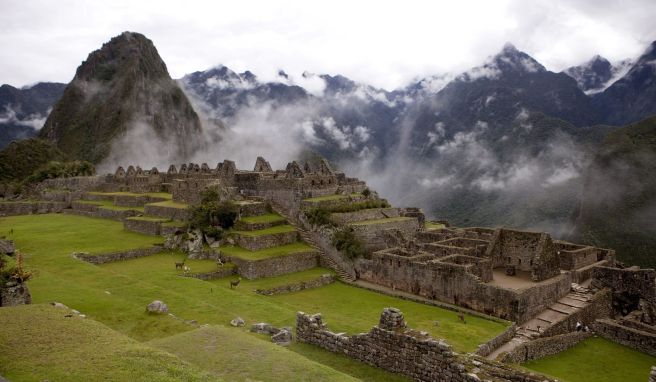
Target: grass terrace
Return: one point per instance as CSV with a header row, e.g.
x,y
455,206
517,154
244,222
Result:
x,y
282,250
267,218
149,219
596,359
109,205
380,221
290,278
268,231
163,195
318,199
170,203
432,225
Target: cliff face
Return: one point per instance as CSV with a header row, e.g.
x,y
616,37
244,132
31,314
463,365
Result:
x,y
122,85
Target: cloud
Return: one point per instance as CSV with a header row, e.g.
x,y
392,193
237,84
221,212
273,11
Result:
x,y
427,38
35,121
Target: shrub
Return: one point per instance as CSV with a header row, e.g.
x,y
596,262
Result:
x,y
319,216
20,274
55,169
346,242
212,216
366,192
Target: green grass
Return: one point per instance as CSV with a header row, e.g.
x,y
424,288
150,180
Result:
x,y
164,262
381,221
296,277
149,219
163,195
109,205
170,203
596,359
283,250
236,356
260,219
116,294
431,225
38,343
325,198
268,231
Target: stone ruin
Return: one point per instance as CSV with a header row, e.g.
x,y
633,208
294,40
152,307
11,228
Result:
x,y
392,346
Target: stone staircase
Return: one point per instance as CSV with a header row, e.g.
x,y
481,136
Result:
x,y
307,238
562,309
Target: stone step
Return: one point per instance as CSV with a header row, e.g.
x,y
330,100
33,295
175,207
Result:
x,y
562,308
572,302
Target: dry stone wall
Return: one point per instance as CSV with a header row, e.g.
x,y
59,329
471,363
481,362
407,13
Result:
x,y
117,256
298,286
393,347
31,208
165,212
631,337
255,243
543,347
147,227
276,266
13,294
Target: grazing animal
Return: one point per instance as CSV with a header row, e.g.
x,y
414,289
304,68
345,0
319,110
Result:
x,y
180,265
461,317
219,262
234,283
186,269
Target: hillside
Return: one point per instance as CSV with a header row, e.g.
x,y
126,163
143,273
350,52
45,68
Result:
x,y
19,159
618,203
121,89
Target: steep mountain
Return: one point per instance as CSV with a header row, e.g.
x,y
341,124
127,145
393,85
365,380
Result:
x,y
122,92
19,159
631,98
618,204
597,74
23,111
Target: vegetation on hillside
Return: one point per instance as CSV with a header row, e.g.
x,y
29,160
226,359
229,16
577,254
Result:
x,y
21,159
346,241
618,204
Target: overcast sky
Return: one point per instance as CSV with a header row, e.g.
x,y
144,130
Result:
x,y
383,43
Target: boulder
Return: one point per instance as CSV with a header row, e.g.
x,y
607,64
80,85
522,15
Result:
x,y
264,328
237,322
7,247
13,293
195,244
283,337
157,307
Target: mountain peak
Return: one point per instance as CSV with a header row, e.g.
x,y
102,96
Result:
x,y
512,60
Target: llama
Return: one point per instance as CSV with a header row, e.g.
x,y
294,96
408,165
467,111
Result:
x,y
180,265
186,269
234,283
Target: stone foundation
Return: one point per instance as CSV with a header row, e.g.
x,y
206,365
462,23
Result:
x,y
276,266
170,213
631,337
31,208
219,274
147,227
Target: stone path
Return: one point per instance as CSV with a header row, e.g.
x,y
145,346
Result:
x,y
558,311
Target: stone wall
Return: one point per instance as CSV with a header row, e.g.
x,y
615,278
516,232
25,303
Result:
x,y
598,307
117,256
393,347
631,337
298,286
171,213
13,294
639,282
218,274
255,243
372,234
147,227
276,266
490,346
543,347
30,208
533,252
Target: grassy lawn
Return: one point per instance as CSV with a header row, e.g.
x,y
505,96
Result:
x,y
267,218
268,231
596,359
163,195
165,263
430,225
149,219
170,203
116,294
283,250
381,221
109,205
237,356
325,198
37,343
